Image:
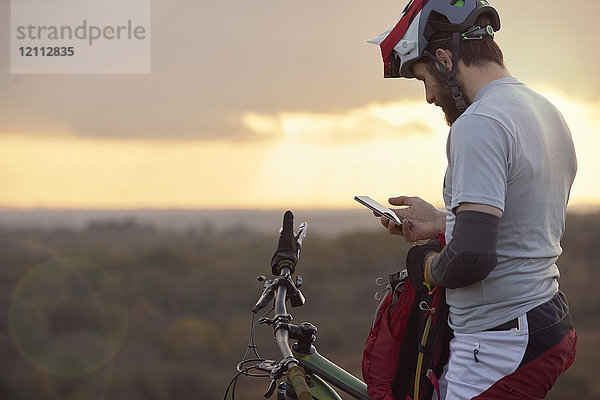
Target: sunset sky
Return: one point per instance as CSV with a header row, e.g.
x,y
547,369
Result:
x,y
271,104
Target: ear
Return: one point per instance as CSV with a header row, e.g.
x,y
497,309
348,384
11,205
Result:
x,y
445,57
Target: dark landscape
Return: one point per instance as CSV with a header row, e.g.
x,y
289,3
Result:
x,y
121,307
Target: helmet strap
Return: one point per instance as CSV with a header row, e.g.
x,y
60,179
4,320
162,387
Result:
x,y
461,105
450,75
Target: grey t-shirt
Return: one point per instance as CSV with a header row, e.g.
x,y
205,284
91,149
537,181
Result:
x,y
511,149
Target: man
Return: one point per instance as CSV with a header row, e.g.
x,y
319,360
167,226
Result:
x,y
511,164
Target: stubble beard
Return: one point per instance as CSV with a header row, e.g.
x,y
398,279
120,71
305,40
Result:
x,y
444,98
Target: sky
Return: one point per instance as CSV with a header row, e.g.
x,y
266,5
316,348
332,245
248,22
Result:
x,y
271,104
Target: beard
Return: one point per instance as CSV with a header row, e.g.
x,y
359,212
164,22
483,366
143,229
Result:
x,y
444,98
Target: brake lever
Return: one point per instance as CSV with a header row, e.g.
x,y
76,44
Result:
x,y
276,374
268,366
267,294
271,389
302,230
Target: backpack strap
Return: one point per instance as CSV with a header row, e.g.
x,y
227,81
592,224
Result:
x,y
430,311
434,382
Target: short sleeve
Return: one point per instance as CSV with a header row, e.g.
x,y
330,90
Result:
x,y
479,160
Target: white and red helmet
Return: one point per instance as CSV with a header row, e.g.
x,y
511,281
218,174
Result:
x,y
405,43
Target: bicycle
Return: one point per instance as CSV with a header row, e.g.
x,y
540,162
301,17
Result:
x,y
308,375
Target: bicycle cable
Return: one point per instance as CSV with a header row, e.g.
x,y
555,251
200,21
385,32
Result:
x,y
233,382
258,360
251,344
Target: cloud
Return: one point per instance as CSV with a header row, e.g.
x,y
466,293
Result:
x,y
216,62
212,61
369,123
322,160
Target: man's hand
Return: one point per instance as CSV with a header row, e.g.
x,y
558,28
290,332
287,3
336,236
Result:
x,y
425,220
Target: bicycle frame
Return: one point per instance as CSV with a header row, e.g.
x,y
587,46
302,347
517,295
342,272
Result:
x,y
320,371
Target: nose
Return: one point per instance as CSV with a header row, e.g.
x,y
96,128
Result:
x,y
429,96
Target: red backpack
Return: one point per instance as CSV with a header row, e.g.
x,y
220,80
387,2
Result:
x,y
408,344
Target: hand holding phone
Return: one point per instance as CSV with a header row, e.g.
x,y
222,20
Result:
x,y
379,209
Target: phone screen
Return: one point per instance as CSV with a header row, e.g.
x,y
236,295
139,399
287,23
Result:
x,y
378,208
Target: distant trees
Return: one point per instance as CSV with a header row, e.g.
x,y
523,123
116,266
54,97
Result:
x,y
123,311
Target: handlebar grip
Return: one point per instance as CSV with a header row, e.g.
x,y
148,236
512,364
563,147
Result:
x,y
297,377
288,247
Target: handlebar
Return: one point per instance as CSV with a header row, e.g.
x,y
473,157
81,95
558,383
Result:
x,y
295,373
281,316
281,288
288,249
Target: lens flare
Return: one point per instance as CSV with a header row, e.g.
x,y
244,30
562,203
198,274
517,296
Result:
x,y
67,317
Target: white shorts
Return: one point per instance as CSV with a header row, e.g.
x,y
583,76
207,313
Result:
x,y
518,363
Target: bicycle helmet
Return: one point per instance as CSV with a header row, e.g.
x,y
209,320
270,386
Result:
x,y
402,45
406,42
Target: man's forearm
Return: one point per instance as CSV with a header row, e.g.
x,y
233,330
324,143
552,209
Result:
x,y
470,256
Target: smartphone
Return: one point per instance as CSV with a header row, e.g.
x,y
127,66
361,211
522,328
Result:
x,y
379,209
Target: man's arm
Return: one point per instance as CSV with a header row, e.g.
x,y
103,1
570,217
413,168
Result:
x,y
471,254
479,154
479,207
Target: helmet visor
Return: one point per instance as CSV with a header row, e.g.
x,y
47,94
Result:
x,y
391,66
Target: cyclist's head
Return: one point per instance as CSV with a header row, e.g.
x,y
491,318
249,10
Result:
x,y
475,52
465,27
471,52
437,89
